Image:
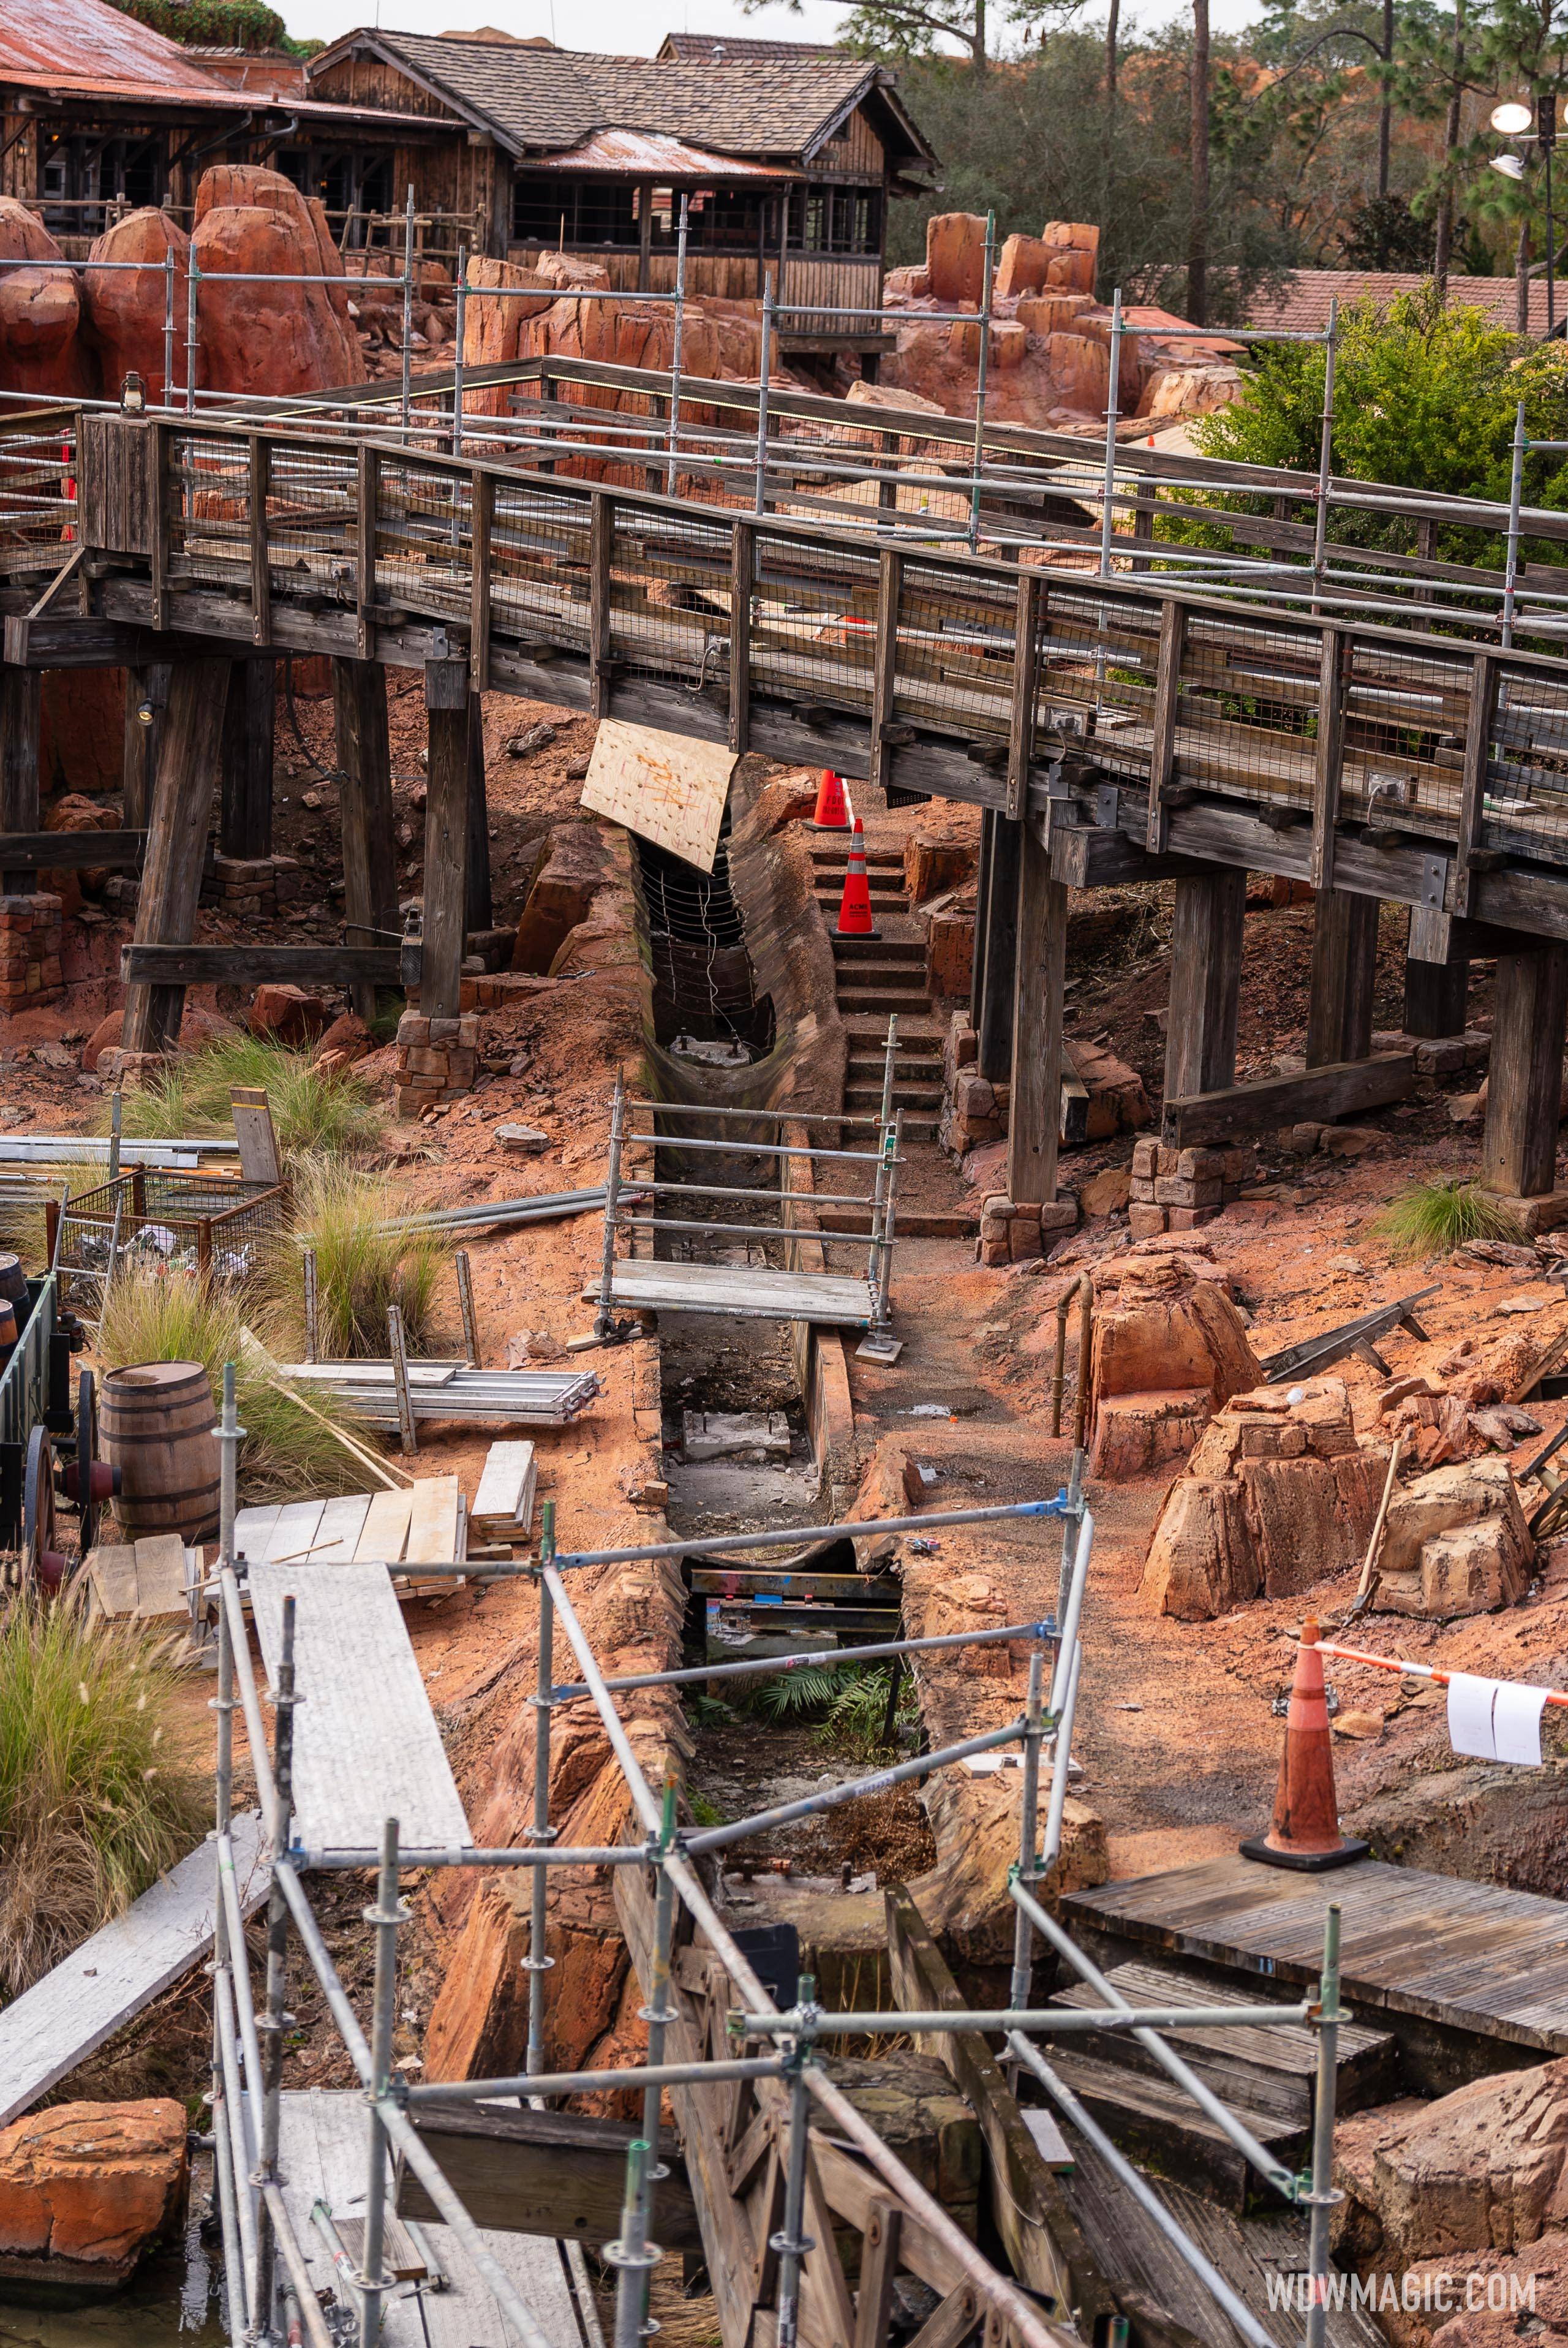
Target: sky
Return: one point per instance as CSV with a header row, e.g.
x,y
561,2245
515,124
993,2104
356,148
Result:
x,y
628,28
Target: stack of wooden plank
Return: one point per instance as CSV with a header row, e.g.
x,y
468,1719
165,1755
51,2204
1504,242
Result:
x,y
426,1525
447,1390
143,1579
503,1505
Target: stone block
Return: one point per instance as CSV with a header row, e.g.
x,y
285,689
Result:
x,y
1145,1153
1146,1223
1201,1165
1191,1219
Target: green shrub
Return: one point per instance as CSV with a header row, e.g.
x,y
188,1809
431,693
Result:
x,y
1434,1218
97,1797
316,1111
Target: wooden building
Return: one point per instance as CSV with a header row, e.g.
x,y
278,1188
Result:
x,y
99,114
788,162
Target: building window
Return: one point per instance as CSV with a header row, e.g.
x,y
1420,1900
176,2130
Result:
x,y
836,219
577,213
352,182
84,179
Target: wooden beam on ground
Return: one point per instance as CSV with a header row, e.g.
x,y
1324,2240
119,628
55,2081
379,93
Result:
x,y
177,843
445,838
32,852
1524,1073
246,965
998,950
1038,2230
1035,1111
365,812
1205,985
21,692
1204,1120
555,2173
245,796
1344,975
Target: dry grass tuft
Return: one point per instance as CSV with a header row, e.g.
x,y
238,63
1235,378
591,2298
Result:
x,y
1434,1218
96,1798
361,1267
316,1111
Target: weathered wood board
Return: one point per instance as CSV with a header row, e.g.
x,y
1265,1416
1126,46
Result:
x,y
105,1984
140,1581
664,787
749,1292
367,1747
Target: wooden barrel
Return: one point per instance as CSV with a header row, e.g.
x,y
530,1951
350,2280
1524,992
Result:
x,y
158,1427
9,1330
14,1285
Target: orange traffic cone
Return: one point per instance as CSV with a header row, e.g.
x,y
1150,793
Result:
x,y
832,806
1305,1830
855,904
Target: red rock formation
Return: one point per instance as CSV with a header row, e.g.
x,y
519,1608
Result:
x,y
41,343
269,337
125,310
1024,266
956,256
92,2184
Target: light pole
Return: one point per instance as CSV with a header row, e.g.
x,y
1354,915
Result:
x,y
1514,119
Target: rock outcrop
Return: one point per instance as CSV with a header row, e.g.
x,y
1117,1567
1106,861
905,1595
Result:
x,y
86,2190
1456,1543
1169,1348
273,337
41,345
126,308
1481,2170
1276,1494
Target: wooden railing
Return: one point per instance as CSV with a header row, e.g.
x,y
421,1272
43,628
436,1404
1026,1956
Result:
x,y
1130,702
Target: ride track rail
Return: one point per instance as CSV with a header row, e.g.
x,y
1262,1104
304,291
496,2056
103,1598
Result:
x,y
1123,716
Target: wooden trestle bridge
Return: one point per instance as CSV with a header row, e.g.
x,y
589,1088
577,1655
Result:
x,y
1115,728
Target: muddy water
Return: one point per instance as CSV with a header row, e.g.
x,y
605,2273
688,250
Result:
x,y
172,2301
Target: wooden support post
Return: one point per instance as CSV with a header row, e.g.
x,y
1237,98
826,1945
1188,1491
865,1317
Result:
x,y
884,660
997,948
446,839
365,812
1524,1075
1473,786
742,585
480,913
1035,1105
1025,684
177,842
601,539
245,798
1329,764
1344,974
988,820
21,701
145,688
1205,984
1436,992
481,519
1144,501
260,571
1162,742
367,501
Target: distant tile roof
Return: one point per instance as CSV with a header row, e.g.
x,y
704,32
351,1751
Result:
x,y
715,48
543,100
1303,308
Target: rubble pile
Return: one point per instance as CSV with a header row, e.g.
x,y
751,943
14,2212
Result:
x,y
1104,1095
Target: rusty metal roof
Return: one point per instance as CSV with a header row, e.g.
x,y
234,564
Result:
x,y
648,152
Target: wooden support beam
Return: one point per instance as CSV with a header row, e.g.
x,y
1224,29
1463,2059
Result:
x,y
884,661
481,493
997,948
742,584
1087,856
480,913
1034,1103
146,689
1030,2211
556,2173
1208,1121
177,844
1473,786
32,852
601,541
1167,701
983,878
1525,1074
1436,991
244,965
245,792
365,812
1344,974
1330,758
260,460
445,838
1025,684
21,701
1205,985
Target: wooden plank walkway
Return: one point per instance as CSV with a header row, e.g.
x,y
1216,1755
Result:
x,y
745,1291
366,1746
1472,1958
105,1982
322,2155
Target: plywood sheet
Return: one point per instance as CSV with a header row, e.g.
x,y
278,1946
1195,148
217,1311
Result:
x,y
100,1987
161,1583
367,1747
111,1574
662,787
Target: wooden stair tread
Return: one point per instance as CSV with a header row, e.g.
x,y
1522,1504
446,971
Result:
x,y
1292,2051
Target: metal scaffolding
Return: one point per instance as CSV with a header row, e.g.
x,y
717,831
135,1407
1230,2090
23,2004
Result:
x,y
269,2293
